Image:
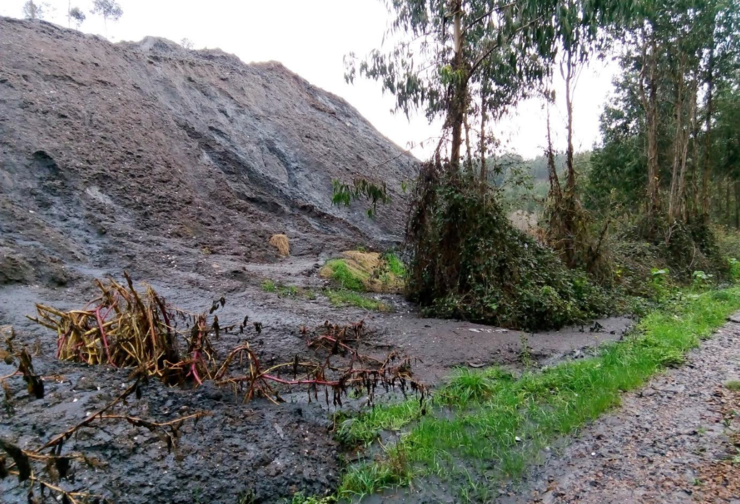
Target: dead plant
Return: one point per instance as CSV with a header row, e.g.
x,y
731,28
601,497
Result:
x,y
124,329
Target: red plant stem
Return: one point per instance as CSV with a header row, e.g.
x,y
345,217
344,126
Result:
x,y
193,367
102,335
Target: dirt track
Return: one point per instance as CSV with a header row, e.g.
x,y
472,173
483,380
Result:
x,y
671,442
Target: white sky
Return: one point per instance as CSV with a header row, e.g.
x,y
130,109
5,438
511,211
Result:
x,y
310,37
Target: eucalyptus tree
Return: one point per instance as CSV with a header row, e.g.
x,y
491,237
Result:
x,y
450,56
108,9
78,16
33,10
453,58
675,54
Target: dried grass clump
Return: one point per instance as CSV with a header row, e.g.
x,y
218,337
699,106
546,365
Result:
x,y
281,243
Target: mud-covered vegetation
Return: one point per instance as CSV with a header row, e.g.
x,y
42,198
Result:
x,y
468,261
124,329
641,225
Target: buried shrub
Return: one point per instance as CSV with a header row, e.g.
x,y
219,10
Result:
x,y
281,243
122,328
468,261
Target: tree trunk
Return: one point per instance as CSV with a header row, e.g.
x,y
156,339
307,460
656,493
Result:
x,y
457,104
708,138
727,200
677,142
695,160
648,90
483,167
469,156
555,191
737,204
570,184
680,200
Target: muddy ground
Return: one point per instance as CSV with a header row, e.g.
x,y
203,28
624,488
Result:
x,y
258,449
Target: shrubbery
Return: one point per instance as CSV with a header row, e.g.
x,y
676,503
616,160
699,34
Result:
x,y
467,261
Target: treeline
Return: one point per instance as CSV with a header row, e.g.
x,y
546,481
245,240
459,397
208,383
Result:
x,y
667,168
671,138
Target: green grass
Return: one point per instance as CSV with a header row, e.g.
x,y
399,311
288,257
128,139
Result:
x,y
390,417
300,498
287,291
733,385
345,277
394,265
343,297
493,418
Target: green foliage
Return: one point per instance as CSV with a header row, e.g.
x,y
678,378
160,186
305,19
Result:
x,y
287,291
734,269
701,280
365,428
342,297
366,479
733,385
345,194
300,498
394,264
500,418
468,261
468,387
345,277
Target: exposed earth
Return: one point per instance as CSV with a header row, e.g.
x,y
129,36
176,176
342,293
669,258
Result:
x,y
178,166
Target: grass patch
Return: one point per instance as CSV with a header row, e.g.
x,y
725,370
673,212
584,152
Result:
x,y
366,272
395,265
269,286
506,422
343,297
287,291
351,279
733,385
372,478
300,498
390,417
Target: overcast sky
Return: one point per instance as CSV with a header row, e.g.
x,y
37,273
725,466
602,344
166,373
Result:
x,y
311,37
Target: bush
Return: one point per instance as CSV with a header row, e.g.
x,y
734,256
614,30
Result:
x,y
467,261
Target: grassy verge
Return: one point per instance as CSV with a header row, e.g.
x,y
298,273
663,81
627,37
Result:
x,y
494,425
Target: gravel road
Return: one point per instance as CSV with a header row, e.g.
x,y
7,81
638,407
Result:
x,y
670,442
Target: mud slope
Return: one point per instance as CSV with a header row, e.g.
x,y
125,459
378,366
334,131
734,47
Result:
x,y
108,151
